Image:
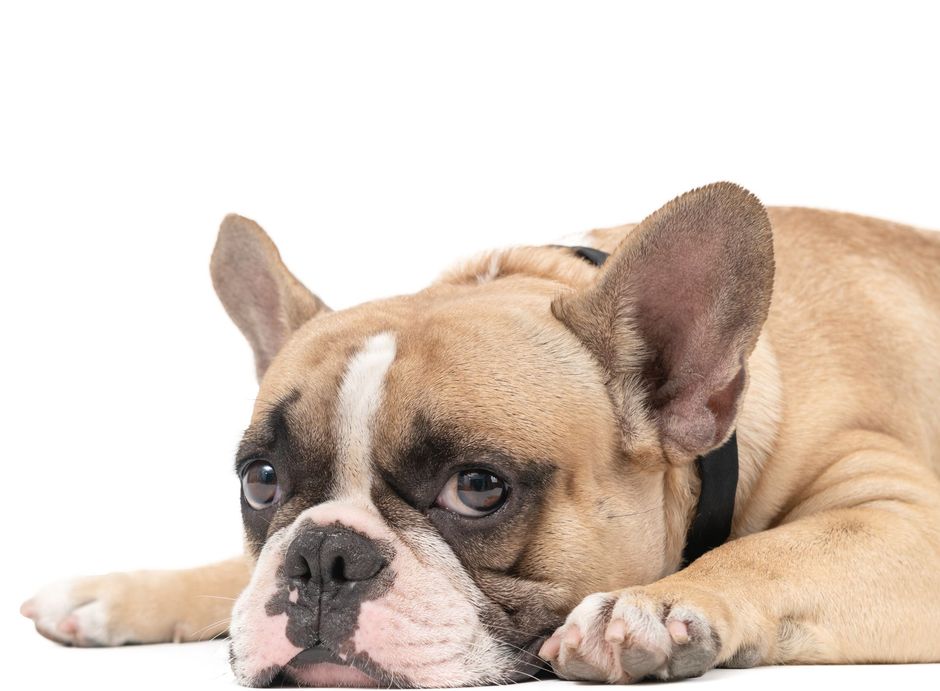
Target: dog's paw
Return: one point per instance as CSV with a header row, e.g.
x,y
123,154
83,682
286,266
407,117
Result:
x,y
80,612
632,634
131,607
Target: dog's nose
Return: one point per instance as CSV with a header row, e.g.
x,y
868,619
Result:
x,y
332,558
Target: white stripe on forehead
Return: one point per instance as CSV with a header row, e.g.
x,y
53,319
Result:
x,y
359,398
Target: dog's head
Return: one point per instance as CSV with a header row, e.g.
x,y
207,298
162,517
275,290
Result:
x,y
431,482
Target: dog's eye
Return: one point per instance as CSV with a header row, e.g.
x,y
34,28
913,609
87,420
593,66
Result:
x,y
473,493
259,485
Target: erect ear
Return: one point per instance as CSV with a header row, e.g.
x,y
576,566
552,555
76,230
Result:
x,y
676,311
259,293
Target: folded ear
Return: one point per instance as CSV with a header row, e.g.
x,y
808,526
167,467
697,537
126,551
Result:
x,y
259,293
675,312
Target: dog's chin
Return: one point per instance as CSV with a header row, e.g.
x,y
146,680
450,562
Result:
x,y
329,674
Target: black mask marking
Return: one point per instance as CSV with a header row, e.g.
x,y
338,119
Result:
x,y
303,465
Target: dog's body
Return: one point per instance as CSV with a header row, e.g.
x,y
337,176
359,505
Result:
x,y
590,392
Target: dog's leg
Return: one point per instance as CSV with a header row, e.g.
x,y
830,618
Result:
x,y
851,575
140,606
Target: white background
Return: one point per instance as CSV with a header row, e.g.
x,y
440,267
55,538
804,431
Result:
x,y
377,142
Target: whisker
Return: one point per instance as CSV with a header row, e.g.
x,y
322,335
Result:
x,y
634,513
527,634
220,634
196,634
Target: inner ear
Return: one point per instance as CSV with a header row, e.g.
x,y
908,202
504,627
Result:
x,y
676,311
260,294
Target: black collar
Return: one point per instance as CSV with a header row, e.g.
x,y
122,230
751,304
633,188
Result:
x,y
718,474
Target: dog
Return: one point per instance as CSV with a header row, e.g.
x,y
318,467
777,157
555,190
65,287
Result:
x,y
708,439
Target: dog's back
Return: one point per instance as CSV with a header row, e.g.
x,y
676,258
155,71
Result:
x,y
855,322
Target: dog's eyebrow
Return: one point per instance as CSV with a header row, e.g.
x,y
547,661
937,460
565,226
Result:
x,y
272,431
439,448
249,448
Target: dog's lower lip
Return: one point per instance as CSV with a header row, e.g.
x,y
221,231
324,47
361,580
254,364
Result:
x,y
320,666
315,655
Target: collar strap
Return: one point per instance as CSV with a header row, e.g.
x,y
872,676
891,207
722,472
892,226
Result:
x,y
711,526
717,471
596,257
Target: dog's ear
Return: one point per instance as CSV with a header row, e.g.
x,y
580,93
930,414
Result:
x,y
674,314
259,293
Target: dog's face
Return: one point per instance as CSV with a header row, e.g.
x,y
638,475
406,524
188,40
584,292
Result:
x,y
430,483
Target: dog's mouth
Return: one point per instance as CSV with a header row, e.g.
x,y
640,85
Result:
x,y
322,666
318,654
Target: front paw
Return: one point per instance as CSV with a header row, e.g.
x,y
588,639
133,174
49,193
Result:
x,y
625,636
132,607
80,612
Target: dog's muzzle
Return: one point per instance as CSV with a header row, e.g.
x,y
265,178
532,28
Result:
x,y
328,572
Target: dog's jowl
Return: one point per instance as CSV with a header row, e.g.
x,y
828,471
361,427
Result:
x,y
708,439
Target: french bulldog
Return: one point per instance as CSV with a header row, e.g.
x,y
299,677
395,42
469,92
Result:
x,y
501,475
